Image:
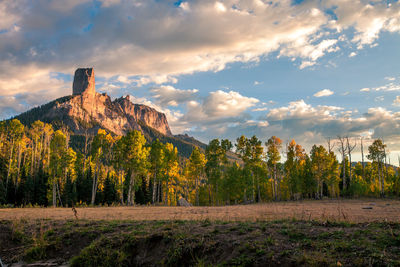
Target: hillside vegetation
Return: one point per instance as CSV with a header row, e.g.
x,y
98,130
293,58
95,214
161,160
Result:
x,y
38,166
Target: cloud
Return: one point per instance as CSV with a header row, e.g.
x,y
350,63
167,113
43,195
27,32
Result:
x,y
388,87
167,95
260,109
156,79
156,41
227,104
298,118
366,89
306,64
396,101
325,92
390,78
309,125
352,54
368,19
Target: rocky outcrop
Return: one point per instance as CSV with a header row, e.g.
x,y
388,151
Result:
x,y
84,82
87,110
118,116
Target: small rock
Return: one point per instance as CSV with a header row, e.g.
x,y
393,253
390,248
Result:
x,y
183,203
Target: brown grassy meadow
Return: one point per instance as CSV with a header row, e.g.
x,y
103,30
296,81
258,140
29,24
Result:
x,y
355,211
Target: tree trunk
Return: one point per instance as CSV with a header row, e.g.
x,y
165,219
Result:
x,y
349,168
54,192
362,160
154,186
382,182
131,190
121,175
166,190
94,183
19,167
379,177
275,184
344,172
272,189
59,194
216,194
197,191
9,165
159,190
253,191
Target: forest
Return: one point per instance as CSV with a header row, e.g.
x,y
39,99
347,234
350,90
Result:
x,y
38,167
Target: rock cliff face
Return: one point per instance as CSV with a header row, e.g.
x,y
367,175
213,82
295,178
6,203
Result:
x,y
87,110
84,82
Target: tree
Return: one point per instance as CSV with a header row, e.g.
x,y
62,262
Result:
x,y
135,160
350,148
274,144
342,149
215,166
377,153
101,154
196,164
156,166
170,167
56,163
251,152
118,163
15,132
319,158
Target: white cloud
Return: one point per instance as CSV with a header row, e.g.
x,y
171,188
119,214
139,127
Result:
x,y
366,89
396,101
352,54
325,92
227,104
390,78
388,87
167,95
368,19
260,109
220,7
156,79
306,64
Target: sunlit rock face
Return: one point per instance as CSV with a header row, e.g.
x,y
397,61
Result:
x,y
87,110
84,82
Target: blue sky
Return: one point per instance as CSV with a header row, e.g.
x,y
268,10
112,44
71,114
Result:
x,y
306,70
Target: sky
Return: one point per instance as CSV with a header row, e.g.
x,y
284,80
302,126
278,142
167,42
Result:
x,y
303,70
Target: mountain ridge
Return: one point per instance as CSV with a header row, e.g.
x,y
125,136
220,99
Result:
x,y
86,111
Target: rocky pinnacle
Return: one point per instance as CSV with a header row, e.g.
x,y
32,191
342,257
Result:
x,y
84,82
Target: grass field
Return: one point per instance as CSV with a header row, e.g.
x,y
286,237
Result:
x,y
308,233
333,210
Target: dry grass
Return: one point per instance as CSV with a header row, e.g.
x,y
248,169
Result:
x,y
332,210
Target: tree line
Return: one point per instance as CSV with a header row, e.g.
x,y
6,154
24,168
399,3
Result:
x,y
38,167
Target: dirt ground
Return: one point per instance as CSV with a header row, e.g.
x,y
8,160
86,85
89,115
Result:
x,y
356,211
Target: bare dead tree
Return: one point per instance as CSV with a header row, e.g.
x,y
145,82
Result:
x,y
350,148
342,150
362,158
386,166
331,145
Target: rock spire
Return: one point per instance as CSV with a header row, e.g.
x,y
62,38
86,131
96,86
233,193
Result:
x,y
84,82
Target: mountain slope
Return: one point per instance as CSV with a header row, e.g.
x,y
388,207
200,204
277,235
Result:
x,y
86,111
